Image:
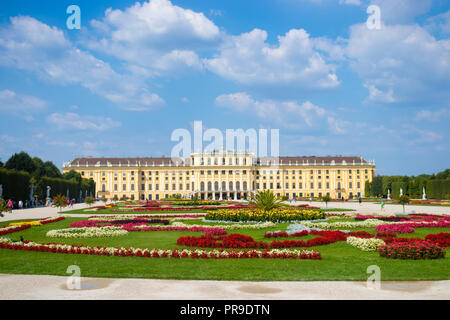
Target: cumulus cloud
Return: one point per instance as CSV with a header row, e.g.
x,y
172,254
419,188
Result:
x,y
31,45
248,59
156,35
400,63
287,114
20,105
70,120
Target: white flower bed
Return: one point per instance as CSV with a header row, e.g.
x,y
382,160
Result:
x,y
370,244
229,226
346,224
87,232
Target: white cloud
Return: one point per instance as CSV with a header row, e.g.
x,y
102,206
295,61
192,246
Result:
x,y
185,100
155,35
435,116
287,114
31,45
70,120
20,105
440,22
401,63
248,59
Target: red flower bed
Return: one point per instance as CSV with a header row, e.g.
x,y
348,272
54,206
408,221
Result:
x,y
113,222
360,217
157,253
7,230
50,220
412,250
443,238
233,240
130,227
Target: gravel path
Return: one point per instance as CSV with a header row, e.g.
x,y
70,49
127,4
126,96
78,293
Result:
x,y
55,287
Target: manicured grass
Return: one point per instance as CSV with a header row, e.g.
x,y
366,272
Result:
x,y
340,261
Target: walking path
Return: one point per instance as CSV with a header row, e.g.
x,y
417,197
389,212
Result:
x,y
370,207
55,287
365,207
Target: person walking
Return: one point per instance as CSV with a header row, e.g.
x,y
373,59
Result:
x,y
10,205
360,200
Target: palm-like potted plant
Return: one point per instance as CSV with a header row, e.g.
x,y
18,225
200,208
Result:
x,y
267,200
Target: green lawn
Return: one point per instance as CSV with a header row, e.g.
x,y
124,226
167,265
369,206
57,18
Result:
x,y
340,261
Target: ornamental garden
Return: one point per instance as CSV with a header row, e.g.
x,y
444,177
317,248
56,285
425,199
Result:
x,y
195,239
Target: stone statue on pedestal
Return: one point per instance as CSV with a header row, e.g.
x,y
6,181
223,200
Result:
x,y
424,195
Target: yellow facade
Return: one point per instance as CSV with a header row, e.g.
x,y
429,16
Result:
x,y
225,175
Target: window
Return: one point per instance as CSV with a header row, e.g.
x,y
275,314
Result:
x,y
174,186
82,173
124,187
358,184
166,187
320,185
312,185
271,185
132,173
350,185
150,187
103,188
287,185
157,188
132,187
103,173
115,187
293,185
328,185
143,187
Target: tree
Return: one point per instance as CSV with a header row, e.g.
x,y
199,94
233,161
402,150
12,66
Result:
x,y
89,201
21,162
325,199
266,200
403,200
115,198
60,201
72,174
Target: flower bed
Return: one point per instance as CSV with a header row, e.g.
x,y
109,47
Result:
x,y
158,253
87,232
408,227
11,229
443,238
230,226
412,250
208,230
345,224
275,215
382,218
26,223
394,228
370,244
113,222
51,220
233,240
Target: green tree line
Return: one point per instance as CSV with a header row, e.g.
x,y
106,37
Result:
x,y
437,186
21,171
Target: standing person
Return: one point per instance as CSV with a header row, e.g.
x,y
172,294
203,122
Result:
x,y
360,200
382,205
10,205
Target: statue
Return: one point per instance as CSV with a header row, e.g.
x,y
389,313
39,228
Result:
x,y
48,192
401,192
1,190
389,194
424,195
31,193
67,194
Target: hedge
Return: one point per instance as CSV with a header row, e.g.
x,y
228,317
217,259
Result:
x,y
16,184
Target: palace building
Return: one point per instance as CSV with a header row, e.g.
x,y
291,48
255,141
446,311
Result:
x,y
225,175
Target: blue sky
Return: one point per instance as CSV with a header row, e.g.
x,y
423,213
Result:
x,y
313,69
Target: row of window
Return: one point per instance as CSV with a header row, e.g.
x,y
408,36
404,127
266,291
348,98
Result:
x,y
319,171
